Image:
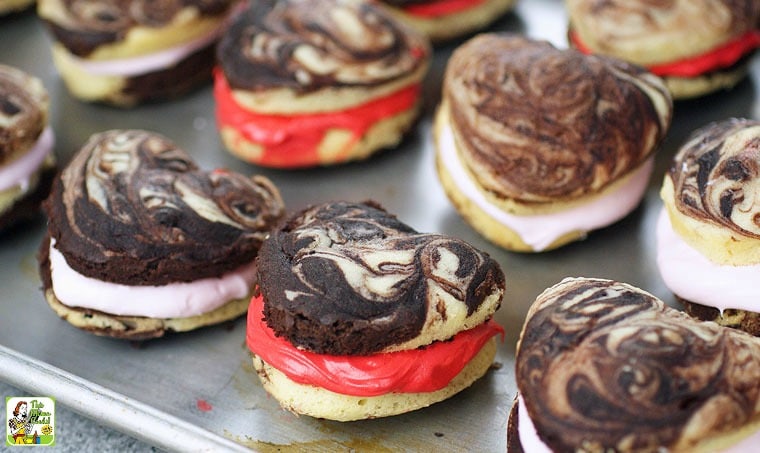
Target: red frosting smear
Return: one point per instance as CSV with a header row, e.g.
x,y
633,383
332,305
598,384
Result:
x,y
413,371
720,57
203,405
441,7
291,141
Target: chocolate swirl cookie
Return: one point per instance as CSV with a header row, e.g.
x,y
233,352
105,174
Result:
x,y
604,366
708,233
85,25
128,52
538,124
133,208
697,47
306,45
444,20
304,83
647,32
716,176
27,157
351,279
24,106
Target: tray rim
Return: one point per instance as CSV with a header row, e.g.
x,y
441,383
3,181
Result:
x,y
108,407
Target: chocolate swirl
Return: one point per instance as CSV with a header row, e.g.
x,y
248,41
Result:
x,y
620,24
84,25
133,208
23,111
716,175
345,279
306,45
604,366
538,123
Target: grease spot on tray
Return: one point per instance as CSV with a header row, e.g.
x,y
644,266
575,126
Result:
x,y
244,379
28,267
203,405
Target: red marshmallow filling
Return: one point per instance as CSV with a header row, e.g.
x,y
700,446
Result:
x,y
720,57
291,141
441,7
419,370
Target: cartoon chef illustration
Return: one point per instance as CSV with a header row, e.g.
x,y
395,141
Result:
x,y
20,424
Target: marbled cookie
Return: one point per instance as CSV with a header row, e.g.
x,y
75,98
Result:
x,y
604,366
317,82
27,160
126,52
141,241
360,316
536,146
442,20
708,234
696,46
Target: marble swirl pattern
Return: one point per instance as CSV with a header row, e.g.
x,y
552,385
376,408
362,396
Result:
x,y
85,25
307,45
625,25
605,366
348,278
716,176
537,124
23,111
135,201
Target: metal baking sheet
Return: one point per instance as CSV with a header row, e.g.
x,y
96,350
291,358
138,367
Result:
x,y
202,382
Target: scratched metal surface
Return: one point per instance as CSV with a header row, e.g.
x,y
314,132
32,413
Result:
x,y
171,375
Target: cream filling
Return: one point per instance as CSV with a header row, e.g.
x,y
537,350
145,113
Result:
x,y
527,431
692,276
20,171
747,445
541,230
533,444
175,300
156,61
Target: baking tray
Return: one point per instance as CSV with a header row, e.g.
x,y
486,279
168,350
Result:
x,y
198,389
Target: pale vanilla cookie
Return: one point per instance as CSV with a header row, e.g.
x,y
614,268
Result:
x,y
125,53
359,316
141,241
537,146
318,402
27,158
696,46
604,366
142,327
443,20
305,83
708,248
